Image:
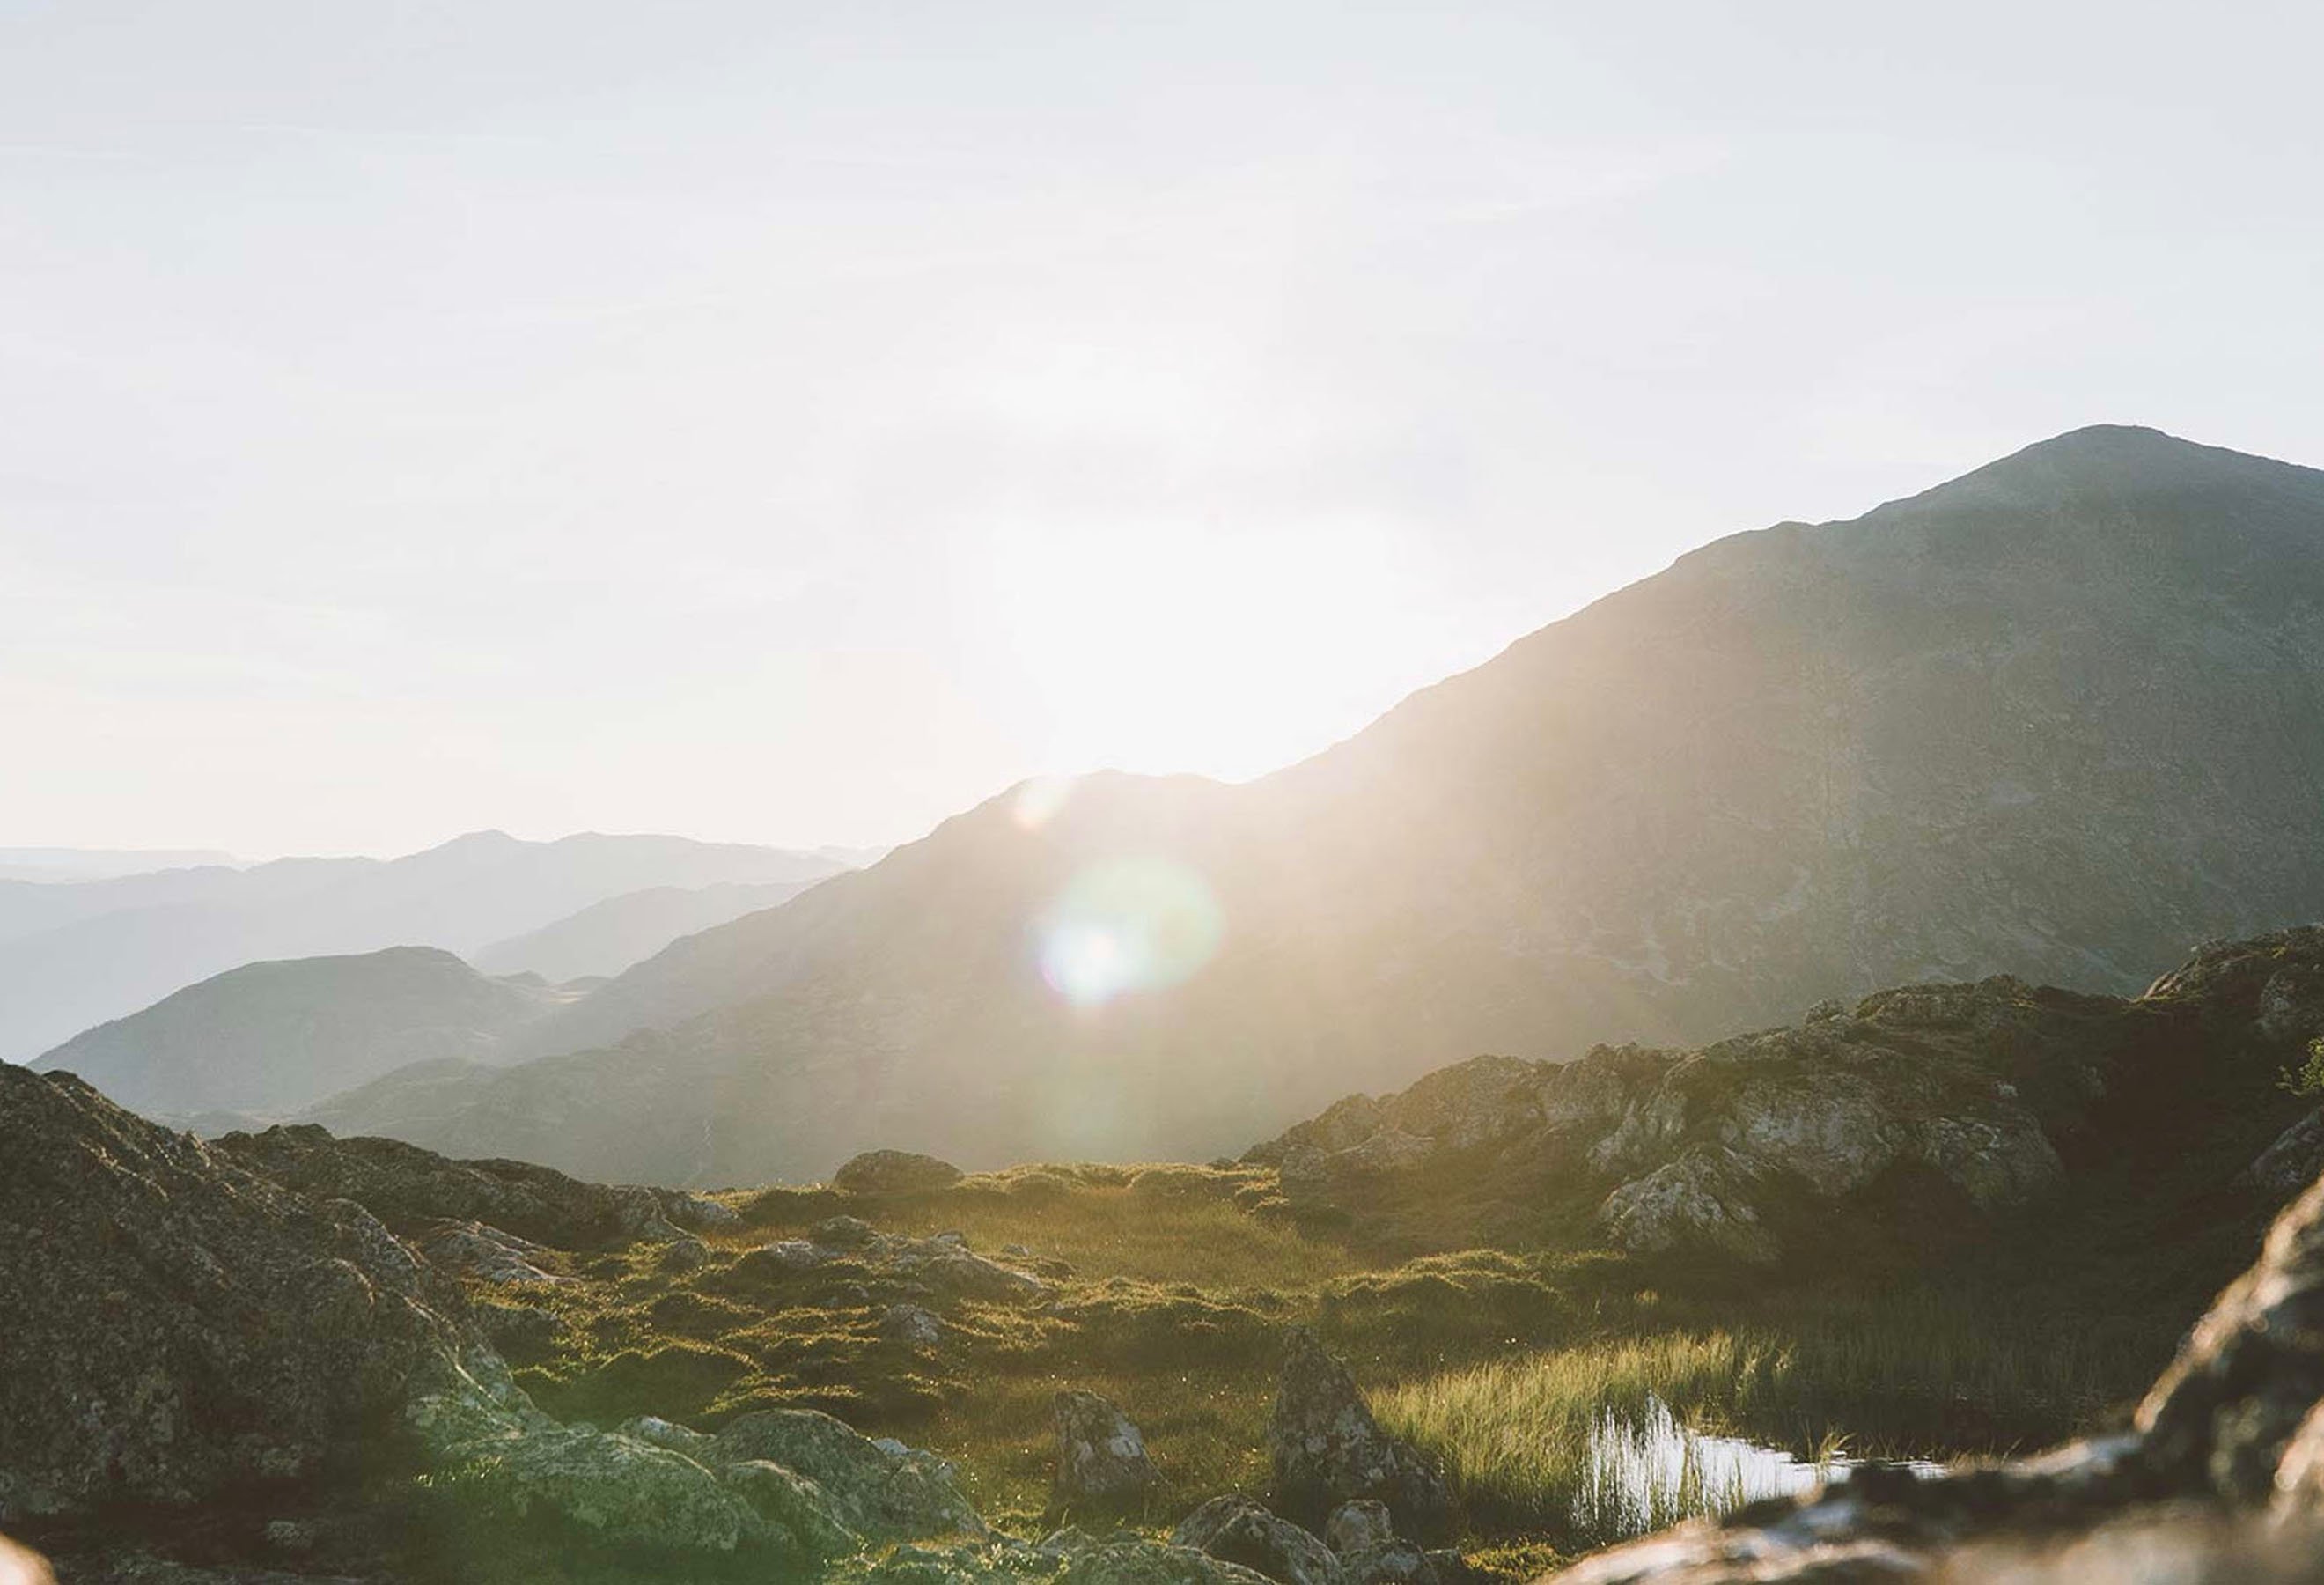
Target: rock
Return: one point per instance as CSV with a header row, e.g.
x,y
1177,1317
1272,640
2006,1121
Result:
x,y
1712,1149
617,1489
472,1249
909,1324
1703,1199
894,1171
1355,1525
1239,1531
407,1187
1829,1008
844,1232
2292,1004
1389,1563
1327,1449
682,1254
879,1493
197,1327
523,1332
2292,1161
1102,1463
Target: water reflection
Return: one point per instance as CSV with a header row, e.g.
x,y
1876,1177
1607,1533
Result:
x,y
1648,1472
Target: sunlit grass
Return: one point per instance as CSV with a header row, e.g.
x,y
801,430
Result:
x,y
1175,1284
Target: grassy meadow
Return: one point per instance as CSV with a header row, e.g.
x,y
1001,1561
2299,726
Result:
x,y
1169,1290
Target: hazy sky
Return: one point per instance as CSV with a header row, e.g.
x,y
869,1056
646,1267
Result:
x,y
794,423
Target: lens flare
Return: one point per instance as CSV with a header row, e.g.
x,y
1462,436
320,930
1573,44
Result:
x,y
1039,800
1128,924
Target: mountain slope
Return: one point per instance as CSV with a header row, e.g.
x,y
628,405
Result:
x,y
270,1036
71,955
607,937
2058,718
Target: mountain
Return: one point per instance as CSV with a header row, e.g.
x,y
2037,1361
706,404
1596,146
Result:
x,y
73,954
2058,718
268,1037
97,864
607,937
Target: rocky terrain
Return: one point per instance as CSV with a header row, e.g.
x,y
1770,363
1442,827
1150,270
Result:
x,y
2058,718
1917,1106
270,1386
275,1037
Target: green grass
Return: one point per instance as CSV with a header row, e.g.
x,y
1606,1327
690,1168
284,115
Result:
x,y
1918,1373
1170,1291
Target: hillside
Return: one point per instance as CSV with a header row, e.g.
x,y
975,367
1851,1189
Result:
x,y
270,1037
2058,718
74,954
607,937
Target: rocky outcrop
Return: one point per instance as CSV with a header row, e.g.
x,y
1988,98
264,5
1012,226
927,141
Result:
x,y
877,1173
405,1187
1102,1459
203,1333
1973,1094
2220,1479
2296,1157
179,1327
1236,1530
1327,1449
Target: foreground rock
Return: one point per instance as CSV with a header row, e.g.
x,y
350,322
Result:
x,y
2221,1478
1328,1451
1960,1101
202,1334
1240,1531
177,1326
406,1187
1101,1461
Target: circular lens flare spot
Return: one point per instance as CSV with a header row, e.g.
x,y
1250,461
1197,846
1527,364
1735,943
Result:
x,y
1128,924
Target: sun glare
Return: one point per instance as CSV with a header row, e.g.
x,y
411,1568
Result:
x,y
1128,924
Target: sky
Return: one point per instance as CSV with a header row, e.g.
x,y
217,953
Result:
x,y
796,423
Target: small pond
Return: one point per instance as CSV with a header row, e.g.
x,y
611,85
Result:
x,y
1648,1472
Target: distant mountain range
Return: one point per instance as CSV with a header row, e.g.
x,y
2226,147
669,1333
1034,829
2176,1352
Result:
x,y
2061,717
269,1038
73,954
607,937
98,863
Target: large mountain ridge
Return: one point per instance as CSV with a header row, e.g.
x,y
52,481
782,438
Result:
x,y
2060,716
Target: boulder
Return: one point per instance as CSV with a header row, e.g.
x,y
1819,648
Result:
x,y
1355,1525
2292,1161
1236,1530
1102,1463
1328,1450
882,1491
195,1327
878,1172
